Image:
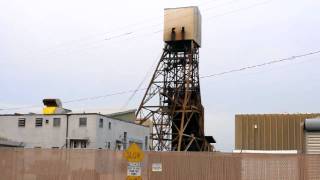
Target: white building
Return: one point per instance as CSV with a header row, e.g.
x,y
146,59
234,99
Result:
x,y
76,130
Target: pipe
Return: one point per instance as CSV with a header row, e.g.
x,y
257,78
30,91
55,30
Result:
x,y
312,124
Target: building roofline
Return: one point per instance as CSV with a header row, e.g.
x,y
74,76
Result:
x,y
276,114
183,7
70,114
122,112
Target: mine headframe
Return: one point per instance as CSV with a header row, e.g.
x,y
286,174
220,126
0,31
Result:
x,y
172,102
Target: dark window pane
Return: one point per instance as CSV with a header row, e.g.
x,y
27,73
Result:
x,y
125,140
82,121
56,122
39,122
101,123
21,122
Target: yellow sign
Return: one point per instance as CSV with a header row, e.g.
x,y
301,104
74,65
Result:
x,y
134,153
134,178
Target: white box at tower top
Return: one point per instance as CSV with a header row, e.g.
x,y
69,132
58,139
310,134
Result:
x,y
175,19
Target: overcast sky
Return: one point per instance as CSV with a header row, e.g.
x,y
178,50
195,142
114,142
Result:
x,y
71,49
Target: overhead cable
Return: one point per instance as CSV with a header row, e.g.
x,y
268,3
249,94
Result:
x,y
291,58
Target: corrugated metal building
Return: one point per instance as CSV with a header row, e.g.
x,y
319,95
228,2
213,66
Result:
x,y
270,131
312,136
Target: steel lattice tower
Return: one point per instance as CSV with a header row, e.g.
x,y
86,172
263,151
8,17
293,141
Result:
x,y
173,101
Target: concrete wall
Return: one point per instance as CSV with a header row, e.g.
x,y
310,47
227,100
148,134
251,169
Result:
x,y
83,132
48,136
136,133
104,134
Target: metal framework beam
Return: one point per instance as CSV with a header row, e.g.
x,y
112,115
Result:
x,y
172,101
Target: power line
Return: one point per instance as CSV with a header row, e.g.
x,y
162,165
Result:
x,y
109,33
291,58
161,30
78,100
102,96
134,32
18,108
261,65
240,9
111,36
141,82
183,16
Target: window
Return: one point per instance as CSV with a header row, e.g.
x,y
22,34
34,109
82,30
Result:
x,y
56,122
22,122
118,145
78,143
101,123
39,122
109,125
146,143
83,122
74,144
83,144
125,140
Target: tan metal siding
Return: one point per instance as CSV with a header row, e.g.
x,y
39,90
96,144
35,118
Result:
x,y
238,132
273,132
93,164
267,134
312,143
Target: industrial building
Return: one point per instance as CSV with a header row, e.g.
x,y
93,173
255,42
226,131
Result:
x,y
72,130
278,132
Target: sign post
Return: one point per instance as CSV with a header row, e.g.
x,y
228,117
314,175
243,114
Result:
x,y
134,156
